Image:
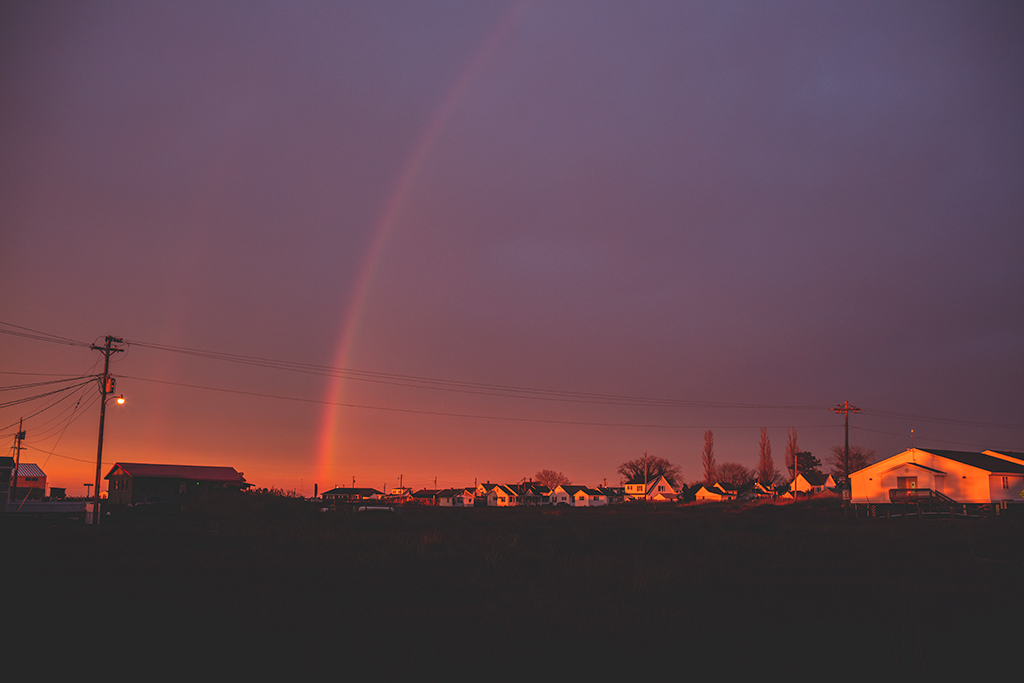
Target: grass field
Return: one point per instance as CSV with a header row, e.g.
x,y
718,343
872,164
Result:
x,y
518,594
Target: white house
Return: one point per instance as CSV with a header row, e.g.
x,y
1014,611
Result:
x,y
966,477
501,496
658,488
812,483
718,492
589,498
458,498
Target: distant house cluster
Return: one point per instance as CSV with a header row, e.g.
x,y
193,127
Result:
x,y
808,483
529,493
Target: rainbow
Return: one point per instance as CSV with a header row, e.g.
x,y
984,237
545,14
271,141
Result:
x,y
329,435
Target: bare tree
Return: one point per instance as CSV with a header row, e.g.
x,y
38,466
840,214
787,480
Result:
x,y
766,472
551,478
735,474
708,458
791,450
651,467
860,458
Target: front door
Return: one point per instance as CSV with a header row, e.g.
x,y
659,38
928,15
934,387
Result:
x,y
906,482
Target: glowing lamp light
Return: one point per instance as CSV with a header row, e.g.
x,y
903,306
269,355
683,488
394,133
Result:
x,y
120,400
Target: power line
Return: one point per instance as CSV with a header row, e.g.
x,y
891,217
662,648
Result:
x,y
27,399
29,333
58,455
980,447
461,386
32,385
413,411
78,409
480,388
941,420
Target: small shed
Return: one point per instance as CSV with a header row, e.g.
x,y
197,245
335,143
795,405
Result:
x,y
29,482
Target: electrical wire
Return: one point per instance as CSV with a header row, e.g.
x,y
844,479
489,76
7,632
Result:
x,y
29,333
921,438
466,387
460,386
39,396
940,420
413,411
41,433
57,455
32,385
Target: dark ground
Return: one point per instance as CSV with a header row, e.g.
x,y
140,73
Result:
x,y
267,584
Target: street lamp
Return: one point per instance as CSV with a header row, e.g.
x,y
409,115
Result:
x,y
107,384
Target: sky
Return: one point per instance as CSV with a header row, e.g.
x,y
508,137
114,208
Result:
x,y
447,242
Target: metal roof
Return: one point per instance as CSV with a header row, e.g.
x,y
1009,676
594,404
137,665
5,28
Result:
x,y
27,469
197,472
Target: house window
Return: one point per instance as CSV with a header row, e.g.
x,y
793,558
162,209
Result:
x,y
1006,482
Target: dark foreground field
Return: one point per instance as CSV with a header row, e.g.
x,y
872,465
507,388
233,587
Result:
x,y
519,594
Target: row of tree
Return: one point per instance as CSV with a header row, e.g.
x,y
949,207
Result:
x,y
797,461
651,467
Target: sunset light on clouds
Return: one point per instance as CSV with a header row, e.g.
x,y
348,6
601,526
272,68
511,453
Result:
x,y
457,241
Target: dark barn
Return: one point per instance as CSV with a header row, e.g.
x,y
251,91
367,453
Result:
x,y
139,482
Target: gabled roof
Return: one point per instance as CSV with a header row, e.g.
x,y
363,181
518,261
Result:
x,y
502,489
814,478
348,491
918,465
449,493
715,490
590,492
1007,455
981,461
27,469
197,472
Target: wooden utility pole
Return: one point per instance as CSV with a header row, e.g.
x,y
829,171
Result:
x,y
106,388
845,408
646,484
18,438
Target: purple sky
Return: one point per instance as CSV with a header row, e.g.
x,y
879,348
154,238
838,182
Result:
x,y
781,204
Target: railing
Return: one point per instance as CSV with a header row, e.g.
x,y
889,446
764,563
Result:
x,y
918,496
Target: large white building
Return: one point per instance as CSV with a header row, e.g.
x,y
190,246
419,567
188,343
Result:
x,y
966,477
